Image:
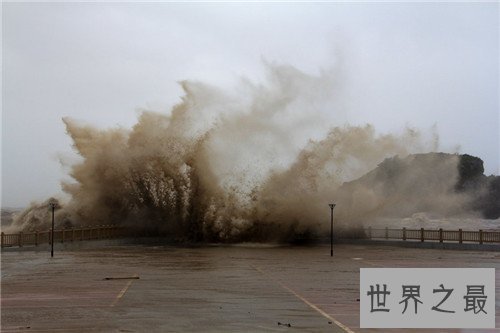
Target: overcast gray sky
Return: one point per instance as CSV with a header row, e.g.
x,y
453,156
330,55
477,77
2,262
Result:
x,y
417,64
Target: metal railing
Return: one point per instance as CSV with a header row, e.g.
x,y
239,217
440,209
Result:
x,y
61,235
112,231
440,235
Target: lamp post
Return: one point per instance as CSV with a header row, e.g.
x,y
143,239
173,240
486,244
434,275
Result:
x,y
53,206
332,206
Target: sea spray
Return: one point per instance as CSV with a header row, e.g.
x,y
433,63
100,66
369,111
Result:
x,y
260,162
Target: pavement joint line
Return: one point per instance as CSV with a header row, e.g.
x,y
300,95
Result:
x,y
303,299
123,291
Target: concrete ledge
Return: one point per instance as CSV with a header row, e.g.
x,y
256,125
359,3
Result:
x,y
425,245
89,244
86,244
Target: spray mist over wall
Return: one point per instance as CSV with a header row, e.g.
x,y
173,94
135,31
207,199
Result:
x,y
258,162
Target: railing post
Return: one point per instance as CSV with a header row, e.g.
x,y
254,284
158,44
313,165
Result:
x,y
72,234
404,233
386,232
62,236
440,235
421,234
20,239
36,238
480,236
370,232
98,232
460,238
2,240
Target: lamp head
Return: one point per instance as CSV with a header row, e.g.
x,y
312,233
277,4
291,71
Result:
x,y
332,205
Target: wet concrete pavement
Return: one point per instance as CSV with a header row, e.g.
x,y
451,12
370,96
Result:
x,y
205,289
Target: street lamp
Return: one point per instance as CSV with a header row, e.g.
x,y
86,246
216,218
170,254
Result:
x,y
332,206
53,206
